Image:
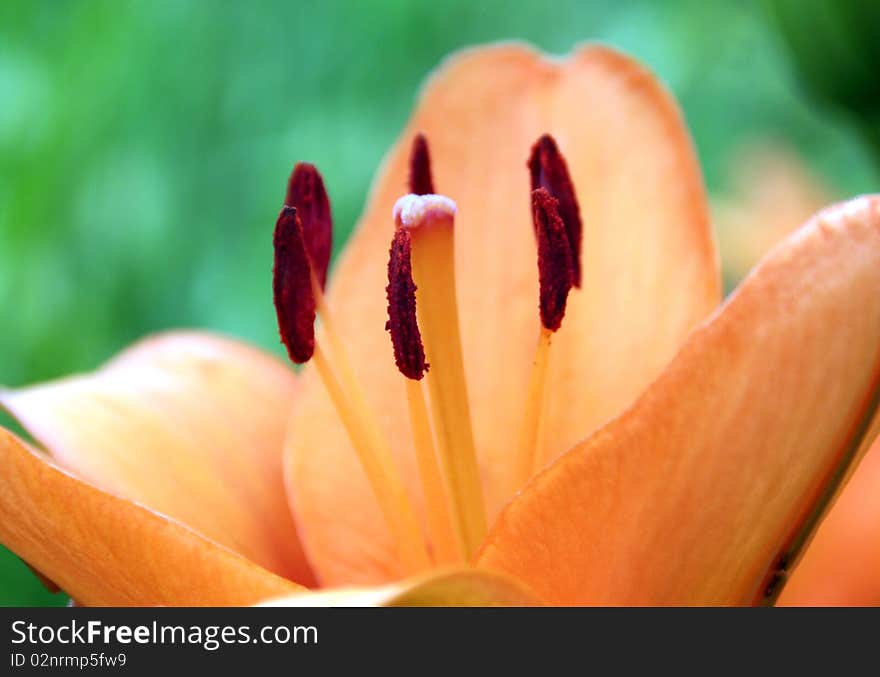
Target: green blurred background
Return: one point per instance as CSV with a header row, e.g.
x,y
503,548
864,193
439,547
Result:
x,y
144,145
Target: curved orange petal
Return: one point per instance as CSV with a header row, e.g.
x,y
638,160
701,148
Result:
x,y
773,192
842,563
467,587
694,494
649,275
104,550
189,424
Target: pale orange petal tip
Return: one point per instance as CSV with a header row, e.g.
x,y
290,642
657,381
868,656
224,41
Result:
x,y
106,551
187,423
466,587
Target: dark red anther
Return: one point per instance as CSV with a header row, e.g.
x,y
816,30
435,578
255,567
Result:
x,y
549,170
292,287
420,182
555,270
409,354
306,193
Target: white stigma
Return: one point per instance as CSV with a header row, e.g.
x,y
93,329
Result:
x,y
412,211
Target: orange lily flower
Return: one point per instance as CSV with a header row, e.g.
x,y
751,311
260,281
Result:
x,y
685,451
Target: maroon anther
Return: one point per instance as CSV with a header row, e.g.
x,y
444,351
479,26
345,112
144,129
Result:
x,y
420,182
409,354
306,193
292,287
549,170
555,271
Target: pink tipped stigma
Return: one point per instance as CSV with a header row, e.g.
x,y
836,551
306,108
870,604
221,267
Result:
x,y
414,211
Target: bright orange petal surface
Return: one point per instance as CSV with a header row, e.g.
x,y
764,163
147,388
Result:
x,y
104,550
189,424
457,587
649,267
693,494
842,564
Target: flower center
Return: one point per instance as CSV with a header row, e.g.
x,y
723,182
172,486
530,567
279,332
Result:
x,y
423,320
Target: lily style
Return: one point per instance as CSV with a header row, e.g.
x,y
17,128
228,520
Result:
x,y
522,387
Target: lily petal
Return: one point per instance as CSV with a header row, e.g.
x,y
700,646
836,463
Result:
x,y
650,274
189,424
105,550
456,587
701,492
841,567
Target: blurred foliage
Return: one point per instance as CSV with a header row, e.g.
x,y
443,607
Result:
x,y
144,145
835,47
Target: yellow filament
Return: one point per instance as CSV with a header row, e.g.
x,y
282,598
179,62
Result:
x,y
350,382
528,455
340,356
375,457
446,549
433,266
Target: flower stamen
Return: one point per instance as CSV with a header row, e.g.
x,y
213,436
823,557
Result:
x,y
410,358
306,192
298,294
429,220
420,181
378,465
556,276
292,287
549,170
